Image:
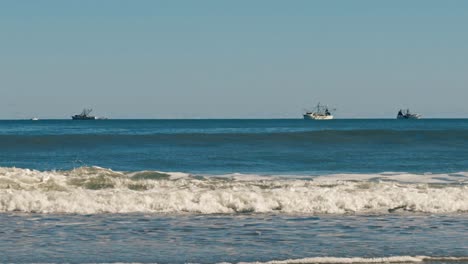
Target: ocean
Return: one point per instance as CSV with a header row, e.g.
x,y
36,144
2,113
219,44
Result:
x,y
234,191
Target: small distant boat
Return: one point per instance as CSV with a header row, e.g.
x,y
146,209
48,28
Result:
x,y
34,119
85,115
406,114
321,112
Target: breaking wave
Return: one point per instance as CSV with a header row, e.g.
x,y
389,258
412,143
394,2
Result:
x,y
94,190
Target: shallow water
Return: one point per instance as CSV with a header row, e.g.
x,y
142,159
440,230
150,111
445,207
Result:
x,y
230,238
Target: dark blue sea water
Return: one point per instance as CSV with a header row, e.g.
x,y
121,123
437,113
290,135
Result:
x,y
211,191
245,146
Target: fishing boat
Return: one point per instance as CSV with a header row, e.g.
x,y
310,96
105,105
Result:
x,y
406,114
321,112
85,115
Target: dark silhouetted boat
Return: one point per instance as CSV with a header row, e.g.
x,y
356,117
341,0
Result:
x,y
406,114
85,115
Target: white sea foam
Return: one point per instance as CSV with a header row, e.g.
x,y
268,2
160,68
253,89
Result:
x,y
330,260
91,190
338,260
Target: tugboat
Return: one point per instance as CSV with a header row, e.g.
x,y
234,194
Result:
x,y
406,114
85,115
321,112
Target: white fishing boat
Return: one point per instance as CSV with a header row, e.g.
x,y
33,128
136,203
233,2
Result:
x,y
321,112
406,114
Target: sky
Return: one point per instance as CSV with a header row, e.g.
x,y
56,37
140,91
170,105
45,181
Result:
x,y
232,59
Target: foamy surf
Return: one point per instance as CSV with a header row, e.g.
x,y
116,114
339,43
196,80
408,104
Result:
x,y
94,190
363,260
335,260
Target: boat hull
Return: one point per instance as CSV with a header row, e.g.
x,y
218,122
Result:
x,y
84,118
317,117
409,117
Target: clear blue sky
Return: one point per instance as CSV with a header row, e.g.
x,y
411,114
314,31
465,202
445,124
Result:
x,y
246,59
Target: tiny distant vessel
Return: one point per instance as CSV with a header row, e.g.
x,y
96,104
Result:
x,y
406,114
85,115
34,119
321,112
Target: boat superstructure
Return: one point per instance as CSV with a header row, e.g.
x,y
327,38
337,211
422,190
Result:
x,y
85,115
321,112
406,114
